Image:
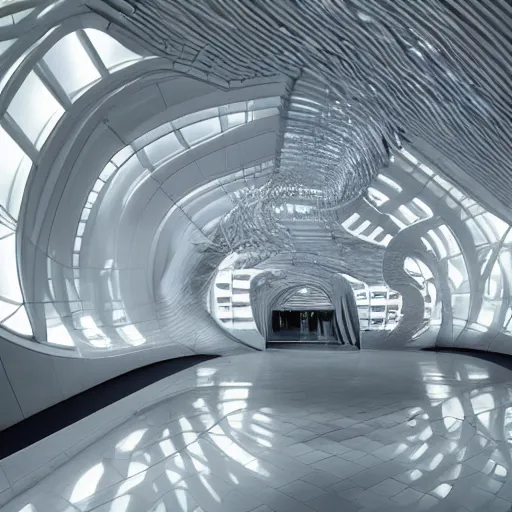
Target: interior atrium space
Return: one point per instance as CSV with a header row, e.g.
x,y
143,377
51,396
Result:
x,y
255,255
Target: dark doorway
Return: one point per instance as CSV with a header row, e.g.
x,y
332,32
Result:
x,y
307,326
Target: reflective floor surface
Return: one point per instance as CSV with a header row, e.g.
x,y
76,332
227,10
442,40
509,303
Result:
x,y
298,431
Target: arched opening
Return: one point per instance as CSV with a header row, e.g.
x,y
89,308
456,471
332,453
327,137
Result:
x,y
304,315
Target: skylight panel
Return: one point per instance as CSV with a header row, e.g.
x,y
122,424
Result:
x,y
113,54
71,65
199,132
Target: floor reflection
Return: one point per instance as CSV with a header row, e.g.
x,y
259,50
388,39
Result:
x,y
304,431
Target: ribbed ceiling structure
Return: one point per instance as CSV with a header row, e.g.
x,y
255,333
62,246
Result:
x,y
359,146
373,68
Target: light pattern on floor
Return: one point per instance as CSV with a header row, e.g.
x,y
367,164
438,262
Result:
x,y
304,431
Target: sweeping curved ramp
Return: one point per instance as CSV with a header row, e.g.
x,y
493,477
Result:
x,y
144,143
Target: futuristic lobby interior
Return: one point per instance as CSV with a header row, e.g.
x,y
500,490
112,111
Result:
x,y
255,255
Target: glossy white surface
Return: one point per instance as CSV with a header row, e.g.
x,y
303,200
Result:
x,y
300,431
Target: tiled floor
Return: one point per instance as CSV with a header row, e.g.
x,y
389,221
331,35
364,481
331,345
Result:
x,y
299,431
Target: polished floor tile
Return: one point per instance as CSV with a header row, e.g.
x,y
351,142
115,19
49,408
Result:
x,y
303,431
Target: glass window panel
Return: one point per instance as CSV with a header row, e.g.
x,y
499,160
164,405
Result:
x,y
112,53
385,241
499,226
266,112
375,233
486,228
9,283
81,229
453,246
350,220
425,270
248,171
6,21
486,315
444,184
85,214
201,131
108,170
18,188
460,305
377,197
242,312
388,181
4,230
163,148
436,189
455,276
15,168
71,65
131,335
57,334
412,268
476,209
19,322
121,156
261,103
505,260
426,243
35,110
361,227
467,203
409,157
49,8
398,222
98,186
92,197
440,248
235,119
195,117
240,106
409,168
152,135
406,212
494,284
20,15
4,45
457,194
450,202
7,309
476,232
422,206
7,75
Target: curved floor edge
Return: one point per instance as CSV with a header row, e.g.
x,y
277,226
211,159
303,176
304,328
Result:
x,y
69,411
